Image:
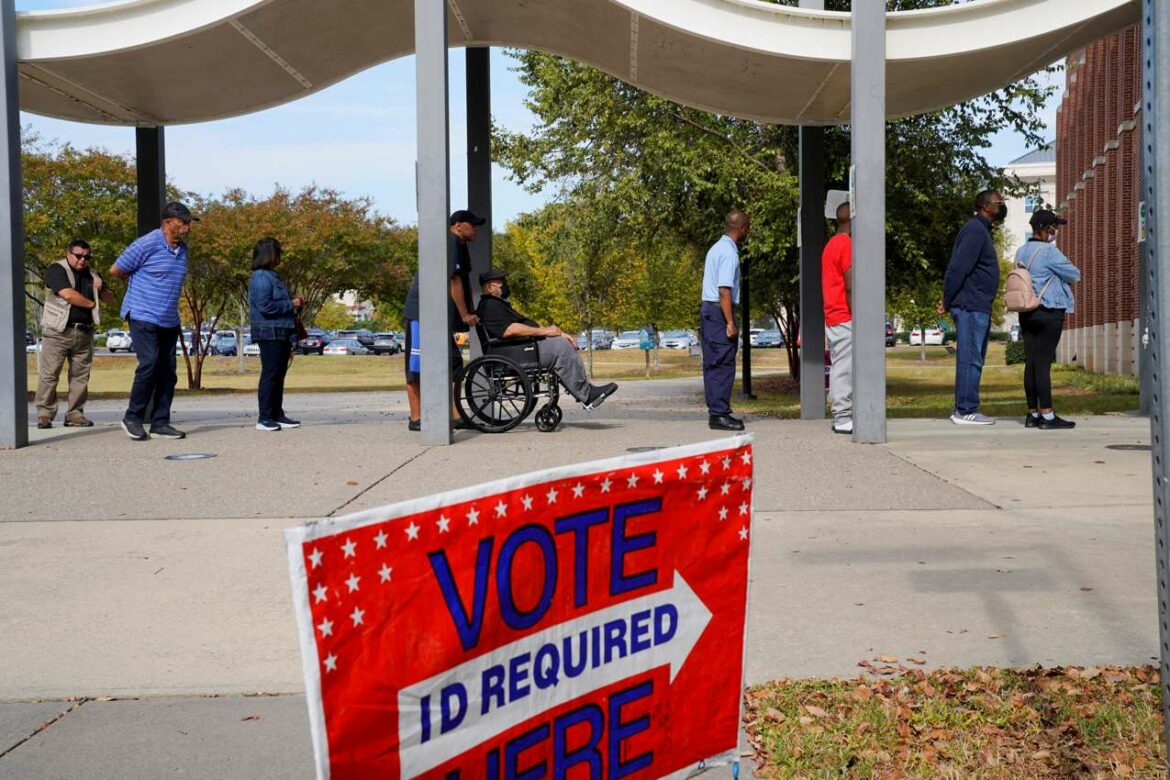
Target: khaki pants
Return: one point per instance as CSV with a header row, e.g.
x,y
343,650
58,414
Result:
x,y
76,346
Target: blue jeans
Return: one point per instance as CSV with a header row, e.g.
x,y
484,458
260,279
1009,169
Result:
x,y
155,377
971,331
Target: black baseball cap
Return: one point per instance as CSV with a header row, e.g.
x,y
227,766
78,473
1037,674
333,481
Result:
x,y
176,210
1044,218
491,275
470,217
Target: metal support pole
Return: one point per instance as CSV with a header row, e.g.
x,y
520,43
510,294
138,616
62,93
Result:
x,y
479,163
434,198
745,324
151,161
812,245
13,360
868,152
1156,180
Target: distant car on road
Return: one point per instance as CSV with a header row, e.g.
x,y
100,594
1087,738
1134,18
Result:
x,y
769,339
315,341
678,339
627,339
345,347
119,340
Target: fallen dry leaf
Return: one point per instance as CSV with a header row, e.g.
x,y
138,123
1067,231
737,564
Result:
x,y
351,482
250,717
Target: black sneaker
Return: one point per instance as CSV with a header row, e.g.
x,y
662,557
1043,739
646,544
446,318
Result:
x,y
135,430
268,425
285,422
166,431
1055,424
598,394
1032,421
414,425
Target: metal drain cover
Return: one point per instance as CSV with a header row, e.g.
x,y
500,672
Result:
x,y
191,456
1129,447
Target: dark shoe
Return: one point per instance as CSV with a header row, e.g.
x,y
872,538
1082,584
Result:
x,y
414,425
285,422
458,424
598,394
167,432
45,422
78,422
1032,421
268,425
724,422
1055,424
135,430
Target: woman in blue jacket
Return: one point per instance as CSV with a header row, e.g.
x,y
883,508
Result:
x,y
1052,273
273,329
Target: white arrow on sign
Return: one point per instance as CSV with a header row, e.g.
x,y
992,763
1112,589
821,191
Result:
x,y
477,727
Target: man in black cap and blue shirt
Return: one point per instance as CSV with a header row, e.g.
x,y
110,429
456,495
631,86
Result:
x,y
969,288
718,330
557,351
461,310
154,267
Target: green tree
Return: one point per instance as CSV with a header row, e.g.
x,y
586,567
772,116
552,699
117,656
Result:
x,y
332,315
917,306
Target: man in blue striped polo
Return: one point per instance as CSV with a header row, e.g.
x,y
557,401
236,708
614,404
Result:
x,y
154,266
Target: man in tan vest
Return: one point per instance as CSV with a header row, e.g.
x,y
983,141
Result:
x,y
70,316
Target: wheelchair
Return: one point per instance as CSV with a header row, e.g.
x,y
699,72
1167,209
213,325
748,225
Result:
x,y
496,392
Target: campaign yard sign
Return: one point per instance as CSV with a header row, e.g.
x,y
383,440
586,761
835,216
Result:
x,y
580,622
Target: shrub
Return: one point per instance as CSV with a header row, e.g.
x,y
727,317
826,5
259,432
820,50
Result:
x,y
1014,353
999,335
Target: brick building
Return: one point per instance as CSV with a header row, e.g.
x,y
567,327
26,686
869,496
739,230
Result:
x,y
1098,182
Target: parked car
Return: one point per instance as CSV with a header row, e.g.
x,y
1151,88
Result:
x,y
602,339
119,340
29,338
225,343
33,347
678,339
1014,333
754,336
386,344
627,339
890,338
251,348
362,335
345,347
769,339
934,336
315,341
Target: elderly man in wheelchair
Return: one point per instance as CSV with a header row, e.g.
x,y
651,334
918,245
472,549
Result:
x,y
522,361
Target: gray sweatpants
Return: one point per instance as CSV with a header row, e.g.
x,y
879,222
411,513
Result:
x,y
840,341
559,354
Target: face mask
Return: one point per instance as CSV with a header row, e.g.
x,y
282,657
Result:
x,y
1052,236
1001,215
505,291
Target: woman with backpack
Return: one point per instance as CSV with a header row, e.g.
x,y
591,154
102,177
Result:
x,y
1042,314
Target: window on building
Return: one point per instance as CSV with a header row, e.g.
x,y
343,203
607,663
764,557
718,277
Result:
x,y
1032,202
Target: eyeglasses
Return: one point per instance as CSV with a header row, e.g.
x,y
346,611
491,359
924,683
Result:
x,y
80,257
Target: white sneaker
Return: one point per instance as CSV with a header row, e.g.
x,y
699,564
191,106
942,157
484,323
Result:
x,y
843,426
267,426
975,418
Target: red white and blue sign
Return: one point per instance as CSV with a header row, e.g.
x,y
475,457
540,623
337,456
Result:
x,y
582,622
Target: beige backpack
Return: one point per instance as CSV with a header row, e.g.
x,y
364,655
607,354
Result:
x,y
1018,291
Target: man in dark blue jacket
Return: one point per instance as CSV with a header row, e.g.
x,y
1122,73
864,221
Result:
x,y
969,288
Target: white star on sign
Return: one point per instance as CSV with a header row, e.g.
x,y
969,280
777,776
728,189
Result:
x,y
325,627
319,593
412,531
473,517
747,483
704,467
743,508
682,472
726,488
743,534
726,463
331,662
352,582
357,616
702,492
723,513
605,484
349,547
501,509
578,490
551,495
444,524
527,502
632,481
746,457
380,540
384,573
315,558
657,477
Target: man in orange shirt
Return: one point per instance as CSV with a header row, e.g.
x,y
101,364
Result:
x,y
837,287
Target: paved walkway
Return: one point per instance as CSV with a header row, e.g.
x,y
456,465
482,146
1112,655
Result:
x,y
162,585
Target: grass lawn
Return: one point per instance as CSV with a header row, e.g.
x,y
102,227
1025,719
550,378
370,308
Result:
x,y
974,723
916,388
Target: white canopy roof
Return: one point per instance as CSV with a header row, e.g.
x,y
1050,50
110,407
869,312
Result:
x,y
159,62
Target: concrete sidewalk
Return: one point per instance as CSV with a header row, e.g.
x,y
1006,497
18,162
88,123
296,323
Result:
x,y
164,582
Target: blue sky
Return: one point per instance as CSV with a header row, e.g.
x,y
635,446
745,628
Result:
x,y
357,137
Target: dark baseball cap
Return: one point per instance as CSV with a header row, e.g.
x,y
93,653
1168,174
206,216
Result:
x,y
176,210
1045,218
491,275
469,217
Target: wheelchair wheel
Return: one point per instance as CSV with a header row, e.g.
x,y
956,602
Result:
x,y
494,395
548,418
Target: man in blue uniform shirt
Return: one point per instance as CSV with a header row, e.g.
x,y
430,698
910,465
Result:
x,y
717,320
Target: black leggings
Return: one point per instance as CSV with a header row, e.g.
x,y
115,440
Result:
x,y
274,356
1040,330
